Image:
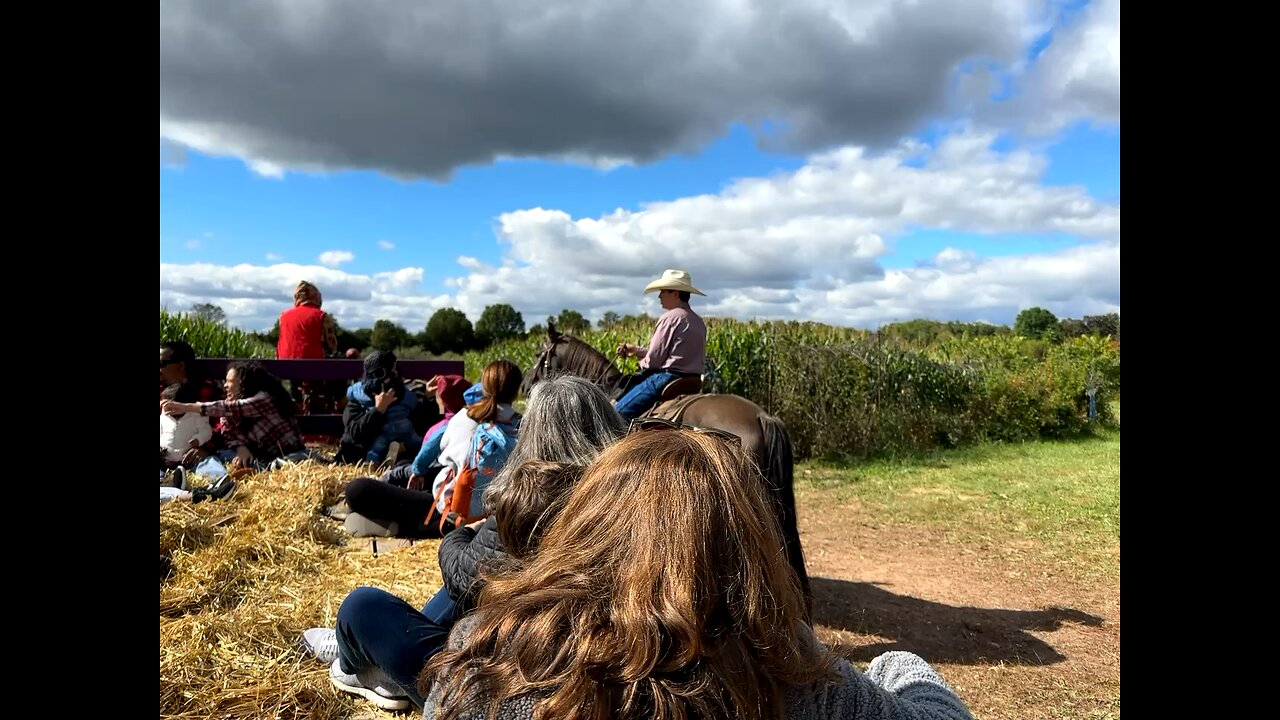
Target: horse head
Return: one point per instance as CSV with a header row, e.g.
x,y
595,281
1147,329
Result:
x,y
561,353
545,362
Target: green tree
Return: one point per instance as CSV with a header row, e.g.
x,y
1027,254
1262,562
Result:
x,y
448,330
609,319
975,329
917,333
210,312
1103,325
1071,328
1037,323
571,321
387,335
641,319
499,322
271,337
358,339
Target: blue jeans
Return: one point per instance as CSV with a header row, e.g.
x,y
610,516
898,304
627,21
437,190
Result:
x,y
395,431
225,457
378,629
643,396
210,467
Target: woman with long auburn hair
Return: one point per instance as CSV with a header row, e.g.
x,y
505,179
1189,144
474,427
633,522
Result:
x,y
662,590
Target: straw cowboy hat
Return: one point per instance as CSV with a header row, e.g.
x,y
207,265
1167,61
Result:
x,y
674,280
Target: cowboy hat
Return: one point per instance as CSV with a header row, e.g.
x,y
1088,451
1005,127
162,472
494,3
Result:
x,y
674,280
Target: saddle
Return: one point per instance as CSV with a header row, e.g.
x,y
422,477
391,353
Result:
x,y
677,396
681,386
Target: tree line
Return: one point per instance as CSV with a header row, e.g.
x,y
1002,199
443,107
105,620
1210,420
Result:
x,y
450,331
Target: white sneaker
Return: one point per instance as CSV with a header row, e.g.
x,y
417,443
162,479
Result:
x,y
371,684
323,643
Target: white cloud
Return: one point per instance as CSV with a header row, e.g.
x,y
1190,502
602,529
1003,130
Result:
x,y
604,83
254,295
403,279
192,244
810,244
386,245
955,259
334,258
804,245
1078,281
1078,75
273,257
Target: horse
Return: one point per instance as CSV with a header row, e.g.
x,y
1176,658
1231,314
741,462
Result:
x,y
764,437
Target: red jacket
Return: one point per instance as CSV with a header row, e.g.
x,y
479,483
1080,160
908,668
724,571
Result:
x,y
301,333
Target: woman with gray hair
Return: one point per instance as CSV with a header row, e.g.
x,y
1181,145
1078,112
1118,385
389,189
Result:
x,y
382,642
569,420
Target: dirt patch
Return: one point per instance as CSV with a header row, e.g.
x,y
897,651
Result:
x,y
1008,627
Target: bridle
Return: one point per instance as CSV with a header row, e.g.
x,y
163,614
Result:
x,y
543,365
544,360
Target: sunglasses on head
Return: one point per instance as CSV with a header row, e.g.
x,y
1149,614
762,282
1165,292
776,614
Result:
x,y
652,423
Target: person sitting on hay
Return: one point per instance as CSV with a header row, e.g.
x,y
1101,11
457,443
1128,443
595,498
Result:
x,y
382,642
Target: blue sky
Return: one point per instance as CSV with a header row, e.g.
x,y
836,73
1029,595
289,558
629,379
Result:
x,y
877,195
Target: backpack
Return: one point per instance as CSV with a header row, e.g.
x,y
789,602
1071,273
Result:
x,y
490,445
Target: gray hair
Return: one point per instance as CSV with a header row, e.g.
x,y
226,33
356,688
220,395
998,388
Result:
x,y
569,420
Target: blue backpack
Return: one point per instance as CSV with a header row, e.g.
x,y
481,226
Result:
x,y
491,444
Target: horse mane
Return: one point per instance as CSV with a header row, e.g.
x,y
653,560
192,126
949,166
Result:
x,y
588,362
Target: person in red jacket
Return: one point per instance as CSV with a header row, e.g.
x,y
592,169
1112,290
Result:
x,y
306,331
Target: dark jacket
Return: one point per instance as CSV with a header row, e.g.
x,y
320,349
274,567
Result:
x,y
360,427
462,553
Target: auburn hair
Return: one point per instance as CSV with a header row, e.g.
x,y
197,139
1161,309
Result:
x,y
661,590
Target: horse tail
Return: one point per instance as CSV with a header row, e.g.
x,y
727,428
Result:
x,y
779,469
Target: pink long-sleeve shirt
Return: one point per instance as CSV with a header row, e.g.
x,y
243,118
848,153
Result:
x,y
679,342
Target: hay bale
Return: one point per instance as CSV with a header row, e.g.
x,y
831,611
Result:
x,y
247,575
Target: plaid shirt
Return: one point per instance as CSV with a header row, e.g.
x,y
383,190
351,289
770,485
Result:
x,y
257,424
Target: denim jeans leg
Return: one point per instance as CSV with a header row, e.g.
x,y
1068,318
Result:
x,y
441,609
210,467
378,449
169,493
643,395
378,629
398,475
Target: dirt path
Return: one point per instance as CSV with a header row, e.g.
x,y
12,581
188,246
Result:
x,y
1009,630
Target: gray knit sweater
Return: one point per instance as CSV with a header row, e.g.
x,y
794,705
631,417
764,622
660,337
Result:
x,y
897,686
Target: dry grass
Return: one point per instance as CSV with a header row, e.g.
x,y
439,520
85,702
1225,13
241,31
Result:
x,y
254,571
249,575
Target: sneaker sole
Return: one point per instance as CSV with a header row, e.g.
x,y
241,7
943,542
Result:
x,y
381,701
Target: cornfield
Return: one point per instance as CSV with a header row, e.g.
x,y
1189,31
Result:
x,y
844,393
211,339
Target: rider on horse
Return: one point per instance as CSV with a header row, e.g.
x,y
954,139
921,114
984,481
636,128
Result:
x,y
677,349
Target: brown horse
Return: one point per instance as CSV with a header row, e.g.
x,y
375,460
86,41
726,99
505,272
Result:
x,y
764,437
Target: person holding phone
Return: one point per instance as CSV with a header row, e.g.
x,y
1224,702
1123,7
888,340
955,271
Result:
x,y
378,413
